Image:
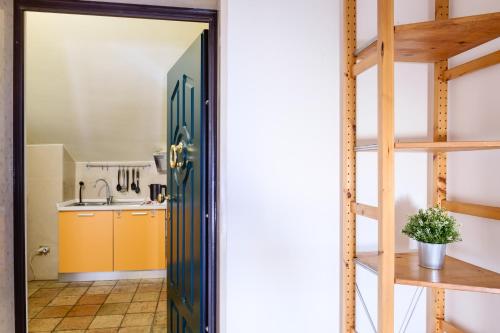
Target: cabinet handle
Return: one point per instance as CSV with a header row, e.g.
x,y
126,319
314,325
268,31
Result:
x,y
85,214
139,213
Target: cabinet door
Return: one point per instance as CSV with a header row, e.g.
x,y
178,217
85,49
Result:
x,y
85,241
139,242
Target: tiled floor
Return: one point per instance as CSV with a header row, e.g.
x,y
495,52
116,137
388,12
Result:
x,y
98,306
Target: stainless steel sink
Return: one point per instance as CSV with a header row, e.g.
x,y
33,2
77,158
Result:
x,y
85,204
119,203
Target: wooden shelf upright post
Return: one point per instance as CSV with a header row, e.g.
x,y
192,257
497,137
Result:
x,y
386,224
440,129
349,170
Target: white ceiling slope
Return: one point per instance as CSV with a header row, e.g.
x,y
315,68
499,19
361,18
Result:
x,y
98,84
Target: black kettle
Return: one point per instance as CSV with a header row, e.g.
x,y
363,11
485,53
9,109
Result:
x,y
155,189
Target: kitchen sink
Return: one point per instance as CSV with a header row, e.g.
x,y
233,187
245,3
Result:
x,y
102,203
85,204
127,203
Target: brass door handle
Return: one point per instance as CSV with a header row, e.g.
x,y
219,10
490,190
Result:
x,y
175,150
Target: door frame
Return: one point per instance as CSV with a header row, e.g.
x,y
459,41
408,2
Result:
x,y
115,10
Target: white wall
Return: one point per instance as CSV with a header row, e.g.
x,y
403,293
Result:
x,y
279,166
98,84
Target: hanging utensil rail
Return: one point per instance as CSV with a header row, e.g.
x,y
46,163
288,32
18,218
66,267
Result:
x,y
107,166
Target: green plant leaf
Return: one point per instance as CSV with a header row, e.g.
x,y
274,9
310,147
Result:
x,y
432,225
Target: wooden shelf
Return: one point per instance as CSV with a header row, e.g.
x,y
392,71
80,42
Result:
x,y
448,327
487,212
449,146
471,66
456,274
438,40
364,210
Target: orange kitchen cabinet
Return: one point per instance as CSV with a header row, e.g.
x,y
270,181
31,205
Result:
x,y
139,242
85,241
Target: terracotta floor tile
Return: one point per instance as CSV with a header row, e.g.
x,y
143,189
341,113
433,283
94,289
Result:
x,y
142,307
101,306
162,306
149,287
32,290
152,280
137,319
84,310
45,292
93,299
106,321
55,284
124,289
73,291
64,300
104,283
159,329
33,311
40,301
119,298
160,319
81,284
99,290
113,309
54,311
37,283
43,325
75,323
128,282
102,330
146,297
138,329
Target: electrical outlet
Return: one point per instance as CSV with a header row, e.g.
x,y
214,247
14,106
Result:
x,y
43,250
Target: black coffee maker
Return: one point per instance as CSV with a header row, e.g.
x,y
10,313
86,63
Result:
x,y
155,189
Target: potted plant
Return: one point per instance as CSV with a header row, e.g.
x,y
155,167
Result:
x,y
432,228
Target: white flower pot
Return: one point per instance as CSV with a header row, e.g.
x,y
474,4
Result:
x,y
431,255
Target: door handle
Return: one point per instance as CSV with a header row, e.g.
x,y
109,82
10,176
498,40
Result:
x,y
139,213
85,214
175,150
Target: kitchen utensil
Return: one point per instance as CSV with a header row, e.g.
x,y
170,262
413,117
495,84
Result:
x,y
127,178
137,188
123,180
119,186
132,186
155,190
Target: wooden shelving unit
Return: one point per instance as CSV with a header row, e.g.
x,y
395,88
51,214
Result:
x,y
431,42
456,274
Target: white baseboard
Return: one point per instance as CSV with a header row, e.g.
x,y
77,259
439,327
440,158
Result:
x,y
121,275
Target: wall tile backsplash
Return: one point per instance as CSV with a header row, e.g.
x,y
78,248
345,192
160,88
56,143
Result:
x,y
148,175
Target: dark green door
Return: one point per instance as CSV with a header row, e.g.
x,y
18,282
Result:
x,y
186,228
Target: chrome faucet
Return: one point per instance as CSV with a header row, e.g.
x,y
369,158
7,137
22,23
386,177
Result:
x,y
109,197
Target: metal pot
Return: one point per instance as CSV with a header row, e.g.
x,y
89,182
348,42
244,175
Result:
x,y
431,255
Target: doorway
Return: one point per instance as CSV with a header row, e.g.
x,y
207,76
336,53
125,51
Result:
x,y
206,317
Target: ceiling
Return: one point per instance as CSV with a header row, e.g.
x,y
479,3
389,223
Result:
x,y
98,84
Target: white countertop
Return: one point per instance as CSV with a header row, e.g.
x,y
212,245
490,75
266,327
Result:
x,y
118,204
